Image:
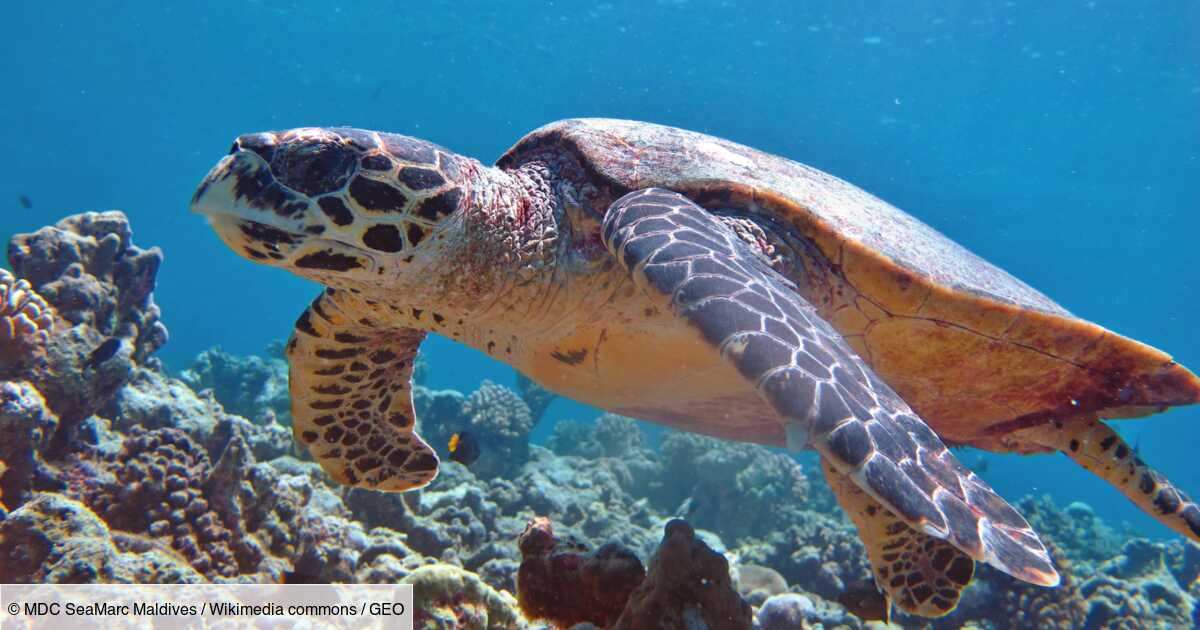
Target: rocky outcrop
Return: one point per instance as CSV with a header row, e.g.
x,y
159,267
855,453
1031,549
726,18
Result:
x,y
687,586
561,582
99,285
88,268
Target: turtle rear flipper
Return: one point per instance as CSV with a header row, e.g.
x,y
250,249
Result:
x,y
352,399
1095,446
827,396
921,574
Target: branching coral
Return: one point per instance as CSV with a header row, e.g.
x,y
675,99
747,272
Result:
x,y
501,422
25,316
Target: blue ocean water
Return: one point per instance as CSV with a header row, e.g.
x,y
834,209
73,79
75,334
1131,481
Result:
x,y
1058,140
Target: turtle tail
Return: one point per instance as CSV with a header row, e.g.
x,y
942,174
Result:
x,y
1095,446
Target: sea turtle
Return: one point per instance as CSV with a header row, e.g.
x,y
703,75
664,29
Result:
x,y
677,277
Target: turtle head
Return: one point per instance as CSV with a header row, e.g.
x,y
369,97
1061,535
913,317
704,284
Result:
x,y
339,206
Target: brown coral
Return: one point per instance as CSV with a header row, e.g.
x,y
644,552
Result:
x,y
561,583
105,321
446,596
157,489
88,267
27,426
688,585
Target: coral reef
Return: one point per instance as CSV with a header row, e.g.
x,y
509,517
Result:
x,y
688,585
786,611
756,583
742,489
818,553
251,387
88,267
3,470
163,470
575,438
1084,538
112,470
1003,601
54,539
100,287
1136,590
26,427
499,418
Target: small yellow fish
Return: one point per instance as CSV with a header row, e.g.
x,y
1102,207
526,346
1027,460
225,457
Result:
x,y
464,448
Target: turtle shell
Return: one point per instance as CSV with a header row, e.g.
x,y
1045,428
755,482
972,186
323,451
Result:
x,y
978,353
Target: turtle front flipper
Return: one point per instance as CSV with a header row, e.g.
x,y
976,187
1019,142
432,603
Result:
x,y
827,397
352,399
921,574
1095,446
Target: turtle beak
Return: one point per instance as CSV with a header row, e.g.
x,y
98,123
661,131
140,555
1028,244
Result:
x,y
241,198
242,183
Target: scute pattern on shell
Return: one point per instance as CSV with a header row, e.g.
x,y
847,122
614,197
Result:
x,y
630,155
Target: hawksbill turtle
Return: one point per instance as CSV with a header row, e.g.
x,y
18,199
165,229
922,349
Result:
x,y
684,279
